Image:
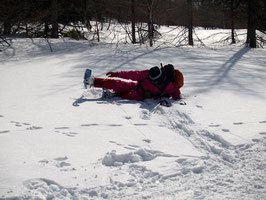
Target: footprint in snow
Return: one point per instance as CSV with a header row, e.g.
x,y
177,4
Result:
x,y
16,123
135,146
140,124
84,125
147,140
214,125
114,125
128,117
262,133
198,106
1,115
63,127
225,130
61,158
44,161
59,162
262,122
69,134
238,123
116,143
72,133
6,131
20,124
34,128
63,164
28,125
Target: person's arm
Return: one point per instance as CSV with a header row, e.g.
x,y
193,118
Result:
x,y
133,75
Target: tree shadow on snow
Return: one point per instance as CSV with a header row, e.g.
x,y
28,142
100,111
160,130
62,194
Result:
x,y
224,70
221,77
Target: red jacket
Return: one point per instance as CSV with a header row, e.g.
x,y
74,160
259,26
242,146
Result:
x,y
142,87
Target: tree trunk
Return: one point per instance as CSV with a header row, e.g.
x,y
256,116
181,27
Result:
x,y
97,31
46,29
251,32
86,17
190,22
232,22
25,12
133,19
54,18
150,23
7,28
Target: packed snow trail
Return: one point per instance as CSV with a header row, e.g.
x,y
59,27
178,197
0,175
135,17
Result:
x,y
132,173
217,172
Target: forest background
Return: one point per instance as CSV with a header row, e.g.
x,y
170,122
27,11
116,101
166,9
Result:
x,y
52,18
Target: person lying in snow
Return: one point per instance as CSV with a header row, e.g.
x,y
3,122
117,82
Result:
x,y
153,83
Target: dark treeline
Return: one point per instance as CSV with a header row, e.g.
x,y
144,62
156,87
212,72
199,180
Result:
x,y
19,16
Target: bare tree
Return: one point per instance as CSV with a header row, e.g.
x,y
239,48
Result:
x,y
54,18
231,6
4,42
251,32
9,15
133,21
190,22
232,21
150,21
86,17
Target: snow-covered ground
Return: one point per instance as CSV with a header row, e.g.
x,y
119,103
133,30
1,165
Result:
x,y
60,141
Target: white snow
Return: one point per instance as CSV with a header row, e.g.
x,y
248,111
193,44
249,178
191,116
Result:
x,y
60,141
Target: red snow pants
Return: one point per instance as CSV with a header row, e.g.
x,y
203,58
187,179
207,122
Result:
x,y
124,89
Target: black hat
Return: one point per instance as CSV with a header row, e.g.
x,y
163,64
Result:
x,y
155,73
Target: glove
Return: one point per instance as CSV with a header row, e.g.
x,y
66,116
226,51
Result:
x,y
111,74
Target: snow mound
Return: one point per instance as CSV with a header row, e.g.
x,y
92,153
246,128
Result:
x,y
41,189
46,189
114,159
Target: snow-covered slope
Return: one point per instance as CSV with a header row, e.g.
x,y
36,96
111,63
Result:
x,y
61,141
